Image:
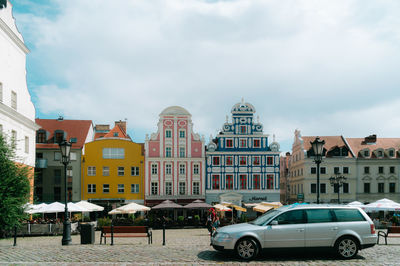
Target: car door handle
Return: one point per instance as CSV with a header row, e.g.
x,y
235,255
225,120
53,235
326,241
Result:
x,y
334,228
300,230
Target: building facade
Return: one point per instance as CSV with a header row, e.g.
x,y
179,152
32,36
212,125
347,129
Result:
x,y
49,171
17,113
174,160
241,165
113,168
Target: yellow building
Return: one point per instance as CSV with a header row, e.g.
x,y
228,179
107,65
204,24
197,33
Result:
x,y
112,168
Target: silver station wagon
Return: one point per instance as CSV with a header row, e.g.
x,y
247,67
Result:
x,y
345,229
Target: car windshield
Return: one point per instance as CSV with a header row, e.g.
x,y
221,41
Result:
x,y
265,217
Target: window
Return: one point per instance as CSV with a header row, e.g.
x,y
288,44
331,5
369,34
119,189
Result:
x,y
256,143
256,160
313,170
270,181
229,181
323,170
319,216
380,154
196,188
168,169
115,134
381,187
313,188
135,171
348,215
154,188
58,136
168,152
134,188
243,182
335,170
243,143
196,169
229,143
57,156
243,160
41,137
14,100
168,188
57,193
243,129
113,153
366,169
26,144
154,169
391,169
322,188
13,139
182,152
72,156
91,171
168,133
91,188
380,169
57,176
270,160
367,187
39,193
216,160
335,188
256,181
229,160
215,181
121,188
391,153
345,187
182,169
182,188
392,187
121,171
366,153
181,133
345,170
291,217
106,171
106,188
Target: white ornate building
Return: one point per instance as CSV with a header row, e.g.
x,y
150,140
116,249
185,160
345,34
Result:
x,y
17,113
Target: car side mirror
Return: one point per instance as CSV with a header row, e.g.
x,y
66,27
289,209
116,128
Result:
x,y
274,222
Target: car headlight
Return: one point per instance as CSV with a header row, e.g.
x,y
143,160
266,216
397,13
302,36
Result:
x,y
222,237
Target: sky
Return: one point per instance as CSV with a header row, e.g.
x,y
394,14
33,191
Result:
x,y
323,67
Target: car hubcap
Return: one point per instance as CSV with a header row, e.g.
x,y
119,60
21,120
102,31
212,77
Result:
x,y
347,248
246,249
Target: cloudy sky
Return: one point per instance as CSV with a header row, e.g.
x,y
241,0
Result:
x,y
324,67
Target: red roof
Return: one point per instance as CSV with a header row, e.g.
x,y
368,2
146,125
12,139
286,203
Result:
x,y
358,144
78,129
330,142
117,132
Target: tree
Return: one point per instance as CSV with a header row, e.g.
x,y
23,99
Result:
x,y
14,188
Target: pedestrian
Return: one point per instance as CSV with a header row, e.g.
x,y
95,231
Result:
x,y
215,224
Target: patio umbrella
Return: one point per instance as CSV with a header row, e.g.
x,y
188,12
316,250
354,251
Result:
x,y
167,204
236,207
266,206
356,204
89,206
72,207
382,205
129,208
198,204
54,207
222,208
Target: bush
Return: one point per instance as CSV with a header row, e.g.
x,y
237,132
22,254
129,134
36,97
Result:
x,y
103,222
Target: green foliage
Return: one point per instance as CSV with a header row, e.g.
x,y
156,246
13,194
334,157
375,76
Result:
x,y
139,221
197,217
181,218
14,189
86,218
103,222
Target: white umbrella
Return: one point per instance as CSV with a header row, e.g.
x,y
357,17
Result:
x,y
89,206
36,208
356,204
54,207
129,208
72,207
222,208
383,205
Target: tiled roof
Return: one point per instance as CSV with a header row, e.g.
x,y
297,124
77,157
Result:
x,y
358,144
78,129
117,130
330,141
98,135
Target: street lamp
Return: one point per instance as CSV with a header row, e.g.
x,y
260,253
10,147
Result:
x,y
337,181
318,147
65,148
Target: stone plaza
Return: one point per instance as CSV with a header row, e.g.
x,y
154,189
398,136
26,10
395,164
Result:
x,y
183,247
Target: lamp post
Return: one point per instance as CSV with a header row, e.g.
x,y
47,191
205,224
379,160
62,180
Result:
x,y
337,181
318,147
65,148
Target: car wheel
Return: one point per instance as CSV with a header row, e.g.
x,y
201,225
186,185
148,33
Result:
x,y
247,249
347,247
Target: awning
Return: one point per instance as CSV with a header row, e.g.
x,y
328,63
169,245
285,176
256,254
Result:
x,y
222,208
236,207
266,206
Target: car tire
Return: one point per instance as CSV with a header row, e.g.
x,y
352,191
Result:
x,y
346,247
247,248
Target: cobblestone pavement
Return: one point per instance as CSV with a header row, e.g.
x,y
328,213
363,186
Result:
x,y
184,246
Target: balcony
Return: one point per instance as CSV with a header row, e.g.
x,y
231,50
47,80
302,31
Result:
x,y
41,163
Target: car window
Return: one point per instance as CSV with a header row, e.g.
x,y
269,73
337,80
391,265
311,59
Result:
x,y
348,215
319,216
291,217
265,217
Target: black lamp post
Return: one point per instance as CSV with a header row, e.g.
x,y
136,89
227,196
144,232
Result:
x,y
318,147
337,181
65,148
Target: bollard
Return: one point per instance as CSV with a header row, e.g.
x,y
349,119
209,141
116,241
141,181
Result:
x,y
15,235
163,234
112,234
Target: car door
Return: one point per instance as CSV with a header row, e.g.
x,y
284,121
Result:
x,y
286,230
321,228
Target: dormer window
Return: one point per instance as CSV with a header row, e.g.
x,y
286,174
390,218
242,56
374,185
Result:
x,y
59,136
366,153
115,134
380,153
391,153
41,136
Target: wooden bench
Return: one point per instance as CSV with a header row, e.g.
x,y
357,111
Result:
x,y
392,231
125,231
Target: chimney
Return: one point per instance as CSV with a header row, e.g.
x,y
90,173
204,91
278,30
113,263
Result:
x,y
122,124
370,139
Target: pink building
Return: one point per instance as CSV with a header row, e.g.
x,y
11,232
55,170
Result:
x,y
174,160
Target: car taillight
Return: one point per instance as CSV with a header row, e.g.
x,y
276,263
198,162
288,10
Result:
x,y
372,229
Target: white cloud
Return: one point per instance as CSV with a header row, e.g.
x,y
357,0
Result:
x,y
313,65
